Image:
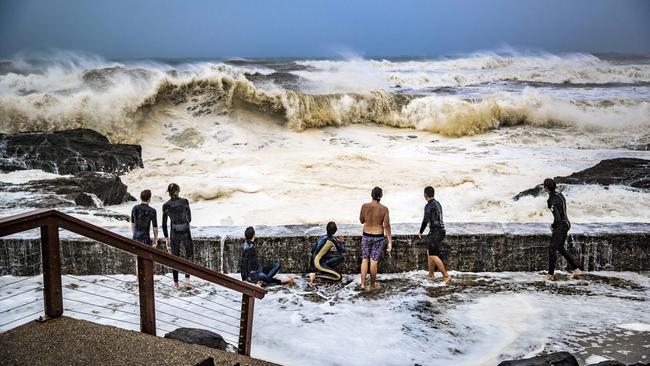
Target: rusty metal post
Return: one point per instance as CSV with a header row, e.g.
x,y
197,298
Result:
x,y
51,252
145,287
246,325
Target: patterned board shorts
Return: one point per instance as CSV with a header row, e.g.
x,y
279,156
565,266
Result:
x,y
372,247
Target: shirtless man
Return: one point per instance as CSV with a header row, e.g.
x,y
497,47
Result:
x,y
376,224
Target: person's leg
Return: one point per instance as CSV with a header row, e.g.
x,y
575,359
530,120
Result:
x,y
364,272
176,250
273,269
441,266
378,246
334,261
189,255
431,265
326,271
573,264
365,254
552,255
373,274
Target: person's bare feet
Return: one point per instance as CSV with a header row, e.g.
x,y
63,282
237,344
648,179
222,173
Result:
x,y
259,284
289,281
188,285
312,279
176,286
549,277
376,286
446,279
431,276
575,273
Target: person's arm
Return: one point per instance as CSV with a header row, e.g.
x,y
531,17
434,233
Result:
x,y
132,222
361,218
340,247
164,221
154,223
557,219
189,212
425,220
387,230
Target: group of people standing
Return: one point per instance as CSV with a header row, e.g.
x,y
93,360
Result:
x,y
327,252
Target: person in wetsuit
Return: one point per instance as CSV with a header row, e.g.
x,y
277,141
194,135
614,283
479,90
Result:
x,y
322,259
559,229
143,217
250,268
178,211
376,229
437,233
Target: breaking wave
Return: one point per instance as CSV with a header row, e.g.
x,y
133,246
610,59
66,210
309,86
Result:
x,y
117,99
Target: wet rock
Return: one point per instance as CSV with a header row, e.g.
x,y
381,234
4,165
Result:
x,y
86,189
609,363
67,152
552,359
198,336
629,172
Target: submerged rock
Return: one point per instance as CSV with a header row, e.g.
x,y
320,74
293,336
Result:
x,y
67,152
552,359
198,336
630,172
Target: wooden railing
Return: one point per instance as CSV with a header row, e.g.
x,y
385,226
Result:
x,y
49,221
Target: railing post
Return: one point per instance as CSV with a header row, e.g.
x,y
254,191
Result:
x,y
246,325
145,287
51,259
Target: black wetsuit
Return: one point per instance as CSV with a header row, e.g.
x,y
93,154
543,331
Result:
x,y
433,218
178,211
323,262
560,228
250,269
143,216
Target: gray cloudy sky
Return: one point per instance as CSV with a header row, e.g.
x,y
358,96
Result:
x,y
300,28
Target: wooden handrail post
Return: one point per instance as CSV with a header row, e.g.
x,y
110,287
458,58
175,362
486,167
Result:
x,y
246,325
51,259
147,305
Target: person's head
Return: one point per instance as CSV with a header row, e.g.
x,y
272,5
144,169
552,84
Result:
x,y
249,234
377,193
331,228
429,192
145,196
549,185
173,189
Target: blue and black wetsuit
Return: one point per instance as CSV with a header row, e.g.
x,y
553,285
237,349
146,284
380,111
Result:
x,y
178,211
143,216
250,269
433,218
560,227
323,261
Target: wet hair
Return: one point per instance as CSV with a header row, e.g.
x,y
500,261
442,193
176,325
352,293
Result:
x,y
173,189
549,184
429,192
377,193
331,228
249,233
145,195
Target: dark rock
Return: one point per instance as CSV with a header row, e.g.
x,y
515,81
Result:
x,y
70,191
198,336
609,363
552,359
67,152
630,172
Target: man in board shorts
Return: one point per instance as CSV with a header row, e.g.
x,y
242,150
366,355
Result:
x,y
376,228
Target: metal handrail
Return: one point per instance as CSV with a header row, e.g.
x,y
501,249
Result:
x,y
50,220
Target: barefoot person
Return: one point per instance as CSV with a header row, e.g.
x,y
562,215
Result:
x,y
326,255
376,225
250,268
433,218
559,229
178,211
143,218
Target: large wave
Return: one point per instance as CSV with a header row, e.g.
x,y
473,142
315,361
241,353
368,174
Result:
x,y
117,99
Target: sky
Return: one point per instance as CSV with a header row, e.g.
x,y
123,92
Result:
x,y
302,28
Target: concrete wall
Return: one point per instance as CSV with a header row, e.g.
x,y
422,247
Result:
x,y
507,248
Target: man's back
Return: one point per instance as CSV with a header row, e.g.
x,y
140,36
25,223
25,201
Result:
x,y
372,217
143,216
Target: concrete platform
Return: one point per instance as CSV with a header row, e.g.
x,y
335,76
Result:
x,y
67,341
